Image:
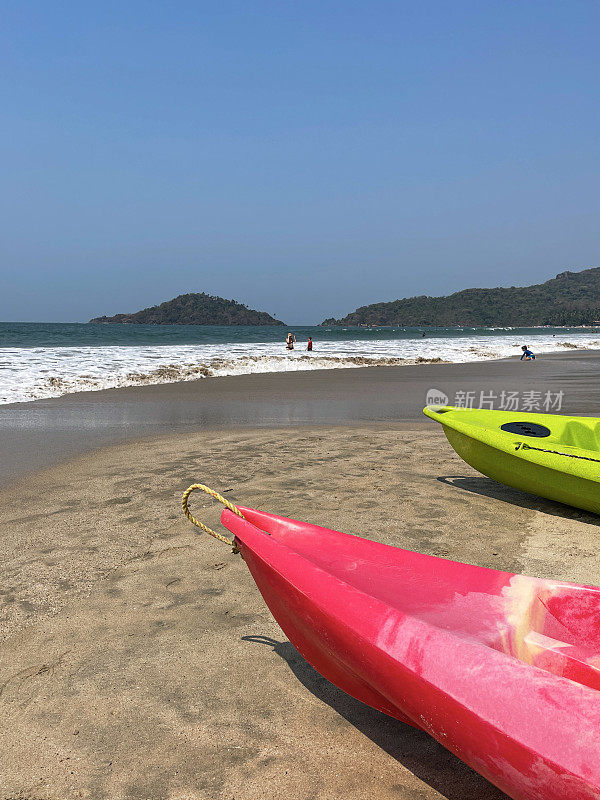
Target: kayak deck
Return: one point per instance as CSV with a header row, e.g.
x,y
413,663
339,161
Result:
x,y
580,433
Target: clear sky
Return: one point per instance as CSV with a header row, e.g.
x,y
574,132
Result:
x,y
301,157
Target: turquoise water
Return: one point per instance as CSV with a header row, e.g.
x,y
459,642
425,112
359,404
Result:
x,y
39,360
74,334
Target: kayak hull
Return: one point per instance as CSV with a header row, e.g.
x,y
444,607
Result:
x,y
472,656
553,466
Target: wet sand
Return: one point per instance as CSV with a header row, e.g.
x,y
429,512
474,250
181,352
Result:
x,y
34,435
138,659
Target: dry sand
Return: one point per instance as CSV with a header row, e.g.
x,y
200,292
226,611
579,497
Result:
x,y
138,659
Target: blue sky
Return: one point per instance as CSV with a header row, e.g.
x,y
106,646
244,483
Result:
x,y
302,157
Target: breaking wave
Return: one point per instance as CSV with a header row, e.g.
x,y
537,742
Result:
x,y
45,372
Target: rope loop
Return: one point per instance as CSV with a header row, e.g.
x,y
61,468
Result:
x,y
201,487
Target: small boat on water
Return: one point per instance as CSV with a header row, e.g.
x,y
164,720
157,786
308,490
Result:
x,y
550,455
501,669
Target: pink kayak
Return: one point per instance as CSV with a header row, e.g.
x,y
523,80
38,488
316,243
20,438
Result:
x,y
501,669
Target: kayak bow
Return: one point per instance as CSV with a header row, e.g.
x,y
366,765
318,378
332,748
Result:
x,y
501,669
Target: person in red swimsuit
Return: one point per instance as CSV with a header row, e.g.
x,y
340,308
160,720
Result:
x,y
309,345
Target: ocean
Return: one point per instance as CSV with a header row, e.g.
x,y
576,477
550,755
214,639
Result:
x,y
41,360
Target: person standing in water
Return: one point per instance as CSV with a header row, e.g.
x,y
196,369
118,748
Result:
x,y
289,341
309,343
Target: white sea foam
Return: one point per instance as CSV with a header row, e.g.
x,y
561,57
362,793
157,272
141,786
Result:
x,y
42,372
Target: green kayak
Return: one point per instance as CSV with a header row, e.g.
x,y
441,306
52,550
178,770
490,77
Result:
x,y
549,455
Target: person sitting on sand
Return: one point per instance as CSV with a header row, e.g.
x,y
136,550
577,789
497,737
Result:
x,y
309,343
289,341
527,354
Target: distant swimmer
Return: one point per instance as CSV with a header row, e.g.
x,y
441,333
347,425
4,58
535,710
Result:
x,y
527,354
289,341
309,343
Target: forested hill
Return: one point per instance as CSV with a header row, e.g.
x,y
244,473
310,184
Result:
x,y
195,309
572,298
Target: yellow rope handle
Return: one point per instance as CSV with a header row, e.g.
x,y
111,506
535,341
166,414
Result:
x,y
201,525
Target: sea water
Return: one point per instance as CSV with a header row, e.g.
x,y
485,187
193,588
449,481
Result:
x,y
40,360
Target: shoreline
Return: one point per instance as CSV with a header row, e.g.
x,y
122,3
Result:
x,y
41,433
55,368
569,355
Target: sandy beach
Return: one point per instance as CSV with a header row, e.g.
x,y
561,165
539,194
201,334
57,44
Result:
x,y
245,245
138,659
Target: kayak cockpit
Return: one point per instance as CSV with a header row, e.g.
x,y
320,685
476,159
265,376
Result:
x,y
582,433
558,631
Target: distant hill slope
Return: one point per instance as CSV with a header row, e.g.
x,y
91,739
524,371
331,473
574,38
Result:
x,y
195,309
572,298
